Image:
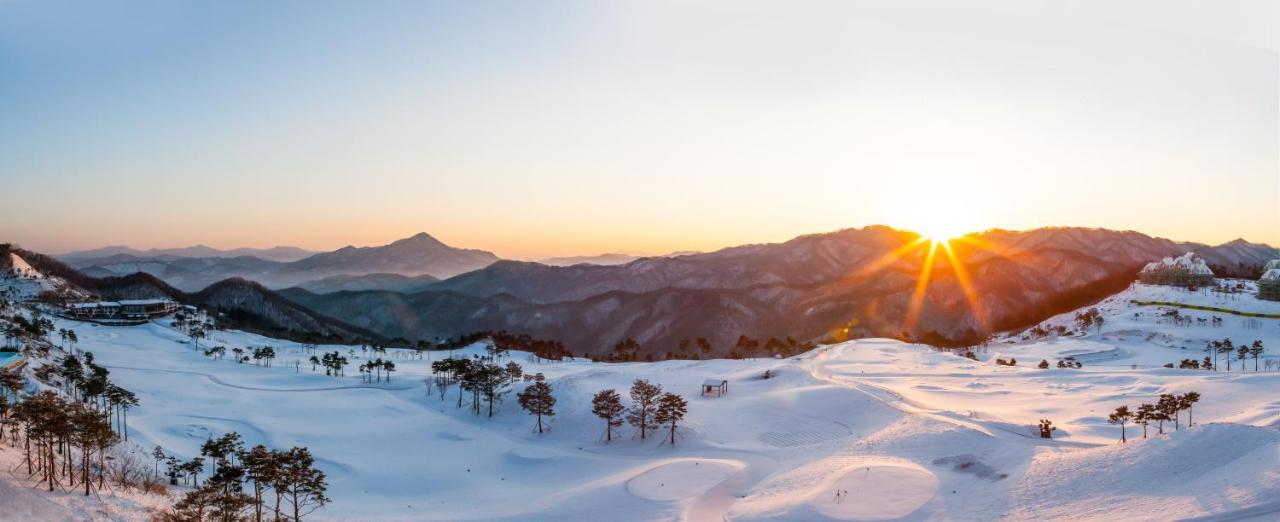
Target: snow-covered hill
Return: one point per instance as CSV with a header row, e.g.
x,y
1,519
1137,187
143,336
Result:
x,y
905,430
19,281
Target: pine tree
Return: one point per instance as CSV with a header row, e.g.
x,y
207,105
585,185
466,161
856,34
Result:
x,y
1188,400
1145,414
1121,416
262,467
644,401
300,483
514,371
1256,351
607,405
671,410
91,431
538,400
1227,347
1166,409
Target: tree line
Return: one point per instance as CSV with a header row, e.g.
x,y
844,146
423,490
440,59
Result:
x,y
541,349
650,410
482,382
629,350
1167,408
1241,353
72,438
244,480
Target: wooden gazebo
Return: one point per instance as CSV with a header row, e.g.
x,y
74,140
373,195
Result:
x,y
715,387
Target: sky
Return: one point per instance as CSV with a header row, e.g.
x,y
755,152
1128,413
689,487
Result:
x,y
536,129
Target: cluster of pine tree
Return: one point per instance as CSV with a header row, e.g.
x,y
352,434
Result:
x,y
374,369
333,363
296,487
85,381
540,348
482,377
1090,318
628,350
1229,349
650,410
261,356
35,327
1166,409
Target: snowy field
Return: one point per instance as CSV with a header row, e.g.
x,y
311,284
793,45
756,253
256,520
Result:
x,y
900,430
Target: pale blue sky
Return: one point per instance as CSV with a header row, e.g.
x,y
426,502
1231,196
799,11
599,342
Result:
x,y
551,128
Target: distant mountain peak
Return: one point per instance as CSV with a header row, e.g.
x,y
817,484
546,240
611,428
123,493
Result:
x,y
420,239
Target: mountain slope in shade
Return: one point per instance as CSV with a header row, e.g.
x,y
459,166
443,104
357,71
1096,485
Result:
x,y
821,258
245,304
602,259
845,283
391,282
281,254
420,255
611,259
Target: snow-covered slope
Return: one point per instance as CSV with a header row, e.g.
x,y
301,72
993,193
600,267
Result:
x,y
19,281
900,430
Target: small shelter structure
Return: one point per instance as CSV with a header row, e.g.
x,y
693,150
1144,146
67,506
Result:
x,y
715,387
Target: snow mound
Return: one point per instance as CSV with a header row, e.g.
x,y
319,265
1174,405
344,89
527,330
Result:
x,y
682,479
877,492
1212,469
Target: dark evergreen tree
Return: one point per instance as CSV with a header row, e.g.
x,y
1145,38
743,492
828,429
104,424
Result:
x,y
298,481
538,400
607,405
644,401
671,410
1121,416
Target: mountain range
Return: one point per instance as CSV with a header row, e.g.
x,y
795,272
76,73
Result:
x,y
613,258
416,256
282,254
873,281
844,283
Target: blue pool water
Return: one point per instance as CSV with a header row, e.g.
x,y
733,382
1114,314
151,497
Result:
x,y
7,357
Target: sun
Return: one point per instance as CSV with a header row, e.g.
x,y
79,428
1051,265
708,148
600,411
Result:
x,y
941,231
941,211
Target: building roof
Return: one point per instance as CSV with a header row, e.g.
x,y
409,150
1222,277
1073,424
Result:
x,y
145,301
714,382
100,304
1272,264
1271,275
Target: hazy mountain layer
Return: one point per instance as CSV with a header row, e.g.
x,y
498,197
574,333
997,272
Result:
x,y
420,255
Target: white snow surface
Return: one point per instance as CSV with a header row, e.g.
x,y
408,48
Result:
x,y
1189,261
909,432
27,282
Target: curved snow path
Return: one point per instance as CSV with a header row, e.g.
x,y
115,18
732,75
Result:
x,y
214,379
715,503
898,402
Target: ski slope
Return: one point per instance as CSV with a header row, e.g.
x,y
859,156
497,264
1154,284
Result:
x,y
900,430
